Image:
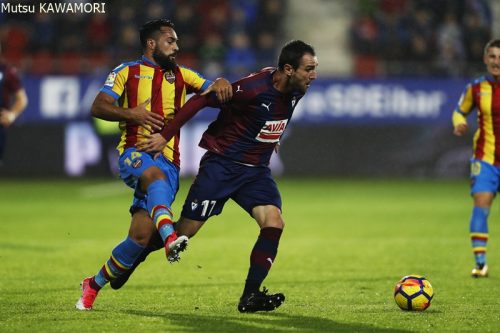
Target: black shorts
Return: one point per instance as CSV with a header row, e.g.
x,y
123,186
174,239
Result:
x,y
220,179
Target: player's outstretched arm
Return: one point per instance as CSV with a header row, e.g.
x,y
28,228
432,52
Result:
x,y
222,89
157,141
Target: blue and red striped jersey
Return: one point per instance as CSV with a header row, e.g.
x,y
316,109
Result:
x,y
249,126
10,83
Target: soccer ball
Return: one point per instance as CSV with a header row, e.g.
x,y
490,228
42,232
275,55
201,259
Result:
x,y
413,293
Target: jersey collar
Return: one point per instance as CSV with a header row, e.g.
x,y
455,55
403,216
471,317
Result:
x,y
148,62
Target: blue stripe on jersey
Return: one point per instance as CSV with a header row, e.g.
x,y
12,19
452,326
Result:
x,y
126,64
110,92
205,85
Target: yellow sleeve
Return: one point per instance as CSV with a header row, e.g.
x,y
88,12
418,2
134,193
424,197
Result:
x,y
458,119
193,79
464,107
115,82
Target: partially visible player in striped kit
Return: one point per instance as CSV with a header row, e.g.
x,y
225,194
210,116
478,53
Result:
x,y
13,100
143,95
483,95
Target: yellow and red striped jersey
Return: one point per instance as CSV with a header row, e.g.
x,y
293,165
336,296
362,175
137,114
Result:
x,y
482,94
134,82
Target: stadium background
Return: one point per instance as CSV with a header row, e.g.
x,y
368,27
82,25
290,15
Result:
x,y
390,73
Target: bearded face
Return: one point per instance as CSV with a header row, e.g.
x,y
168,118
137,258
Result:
x,y
166,62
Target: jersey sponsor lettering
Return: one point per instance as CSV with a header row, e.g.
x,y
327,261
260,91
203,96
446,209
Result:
x,y
271,131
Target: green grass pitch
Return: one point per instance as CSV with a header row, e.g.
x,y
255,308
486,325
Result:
x,y
346,243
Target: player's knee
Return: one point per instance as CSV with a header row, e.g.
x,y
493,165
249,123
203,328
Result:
x,y
150,175
277,223
274,220
140,238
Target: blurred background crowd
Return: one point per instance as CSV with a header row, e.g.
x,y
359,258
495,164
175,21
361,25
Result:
x,y
216,37
423,37
234,37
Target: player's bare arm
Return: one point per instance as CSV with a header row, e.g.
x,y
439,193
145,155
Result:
x,y
104,108
222,89
153,143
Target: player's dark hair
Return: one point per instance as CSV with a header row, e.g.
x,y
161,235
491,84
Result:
x,y
149,29
490,44
292,52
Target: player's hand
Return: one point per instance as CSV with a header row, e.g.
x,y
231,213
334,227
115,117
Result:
x,y
460,129
154,143
222,89
142,117
7,117
277,148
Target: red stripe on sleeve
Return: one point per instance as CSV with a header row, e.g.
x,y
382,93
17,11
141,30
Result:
x,y
195,104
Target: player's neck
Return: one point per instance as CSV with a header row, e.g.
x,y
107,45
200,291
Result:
x,y
280,82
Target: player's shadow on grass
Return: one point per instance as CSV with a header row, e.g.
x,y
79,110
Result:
x,y
257,323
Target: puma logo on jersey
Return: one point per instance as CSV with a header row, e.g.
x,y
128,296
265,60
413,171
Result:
x,y
271,131
266,106
238,89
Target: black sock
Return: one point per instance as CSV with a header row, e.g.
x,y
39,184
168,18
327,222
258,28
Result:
x,y
262,257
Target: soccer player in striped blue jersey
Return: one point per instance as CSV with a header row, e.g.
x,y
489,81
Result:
x,y
239,145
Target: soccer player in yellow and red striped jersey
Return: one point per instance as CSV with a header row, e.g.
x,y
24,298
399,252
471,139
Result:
x,y
142,96
482,94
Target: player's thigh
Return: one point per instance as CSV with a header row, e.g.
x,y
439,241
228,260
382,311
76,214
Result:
x,y
212,187
171,185
171,173
133,164
260,189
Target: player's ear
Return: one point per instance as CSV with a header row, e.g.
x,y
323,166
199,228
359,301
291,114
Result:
x,y
151,43
288,69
